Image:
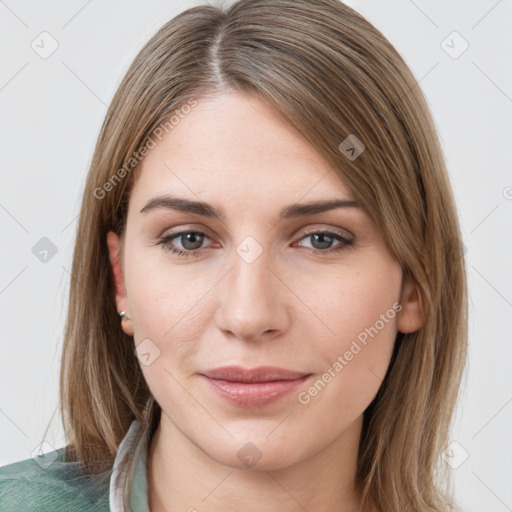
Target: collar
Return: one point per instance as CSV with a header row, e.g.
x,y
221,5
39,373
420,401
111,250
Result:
x,y
128,482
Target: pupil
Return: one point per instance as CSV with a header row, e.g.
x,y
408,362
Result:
x,y
189,237
322,237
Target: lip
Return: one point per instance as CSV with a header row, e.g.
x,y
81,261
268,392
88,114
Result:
x,y
253,387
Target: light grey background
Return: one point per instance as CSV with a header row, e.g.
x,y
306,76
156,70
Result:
x,y
51,113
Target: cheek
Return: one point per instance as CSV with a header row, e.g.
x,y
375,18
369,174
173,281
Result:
x,y
170,312
347,301
164,297
358,310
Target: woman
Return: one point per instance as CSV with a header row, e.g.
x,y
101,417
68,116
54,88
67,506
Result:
x,y
268,296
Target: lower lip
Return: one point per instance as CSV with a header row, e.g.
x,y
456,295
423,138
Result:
x,y
254,394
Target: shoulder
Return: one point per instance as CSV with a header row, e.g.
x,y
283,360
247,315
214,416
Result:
x,y
51,483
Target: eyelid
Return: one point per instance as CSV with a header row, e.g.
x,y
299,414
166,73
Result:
x,y
322,227
184,228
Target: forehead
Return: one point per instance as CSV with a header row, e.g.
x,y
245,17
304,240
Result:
x,y
232,147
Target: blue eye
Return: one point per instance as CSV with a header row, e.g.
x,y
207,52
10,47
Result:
x,y
191,242
192,239
323,238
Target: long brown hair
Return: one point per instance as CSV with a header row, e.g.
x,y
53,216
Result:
x,y
332,75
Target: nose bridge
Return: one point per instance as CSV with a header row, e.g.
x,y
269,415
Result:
x,y
250,301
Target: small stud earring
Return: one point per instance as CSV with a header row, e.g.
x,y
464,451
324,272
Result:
x,y
123,315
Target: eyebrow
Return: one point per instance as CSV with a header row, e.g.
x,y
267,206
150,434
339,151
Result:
x,y
207,210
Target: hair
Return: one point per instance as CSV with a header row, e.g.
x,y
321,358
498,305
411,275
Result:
x,y
330,74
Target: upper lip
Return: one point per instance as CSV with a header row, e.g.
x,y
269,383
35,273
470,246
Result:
x,y
258,374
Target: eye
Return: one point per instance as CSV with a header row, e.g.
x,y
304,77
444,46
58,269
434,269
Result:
x,y
323,240
191,241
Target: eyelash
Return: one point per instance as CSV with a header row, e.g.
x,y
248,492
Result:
x,y
166,240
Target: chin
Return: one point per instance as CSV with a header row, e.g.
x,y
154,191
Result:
x,y
257,453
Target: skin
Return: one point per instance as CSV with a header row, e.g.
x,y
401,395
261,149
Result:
x,y
289,308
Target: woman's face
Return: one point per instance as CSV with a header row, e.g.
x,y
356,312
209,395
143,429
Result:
x,y
267,282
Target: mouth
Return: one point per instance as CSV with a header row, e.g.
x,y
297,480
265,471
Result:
x,y
253,387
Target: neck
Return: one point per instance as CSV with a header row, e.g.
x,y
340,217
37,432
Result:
x,y
183,477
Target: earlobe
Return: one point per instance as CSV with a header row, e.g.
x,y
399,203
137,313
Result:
x,y
410,318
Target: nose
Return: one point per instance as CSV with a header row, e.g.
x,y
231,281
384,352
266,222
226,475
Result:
x,y
252,300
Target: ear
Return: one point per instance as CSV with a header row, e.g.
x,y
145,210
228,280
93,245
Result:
x,y
114,249
410,318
